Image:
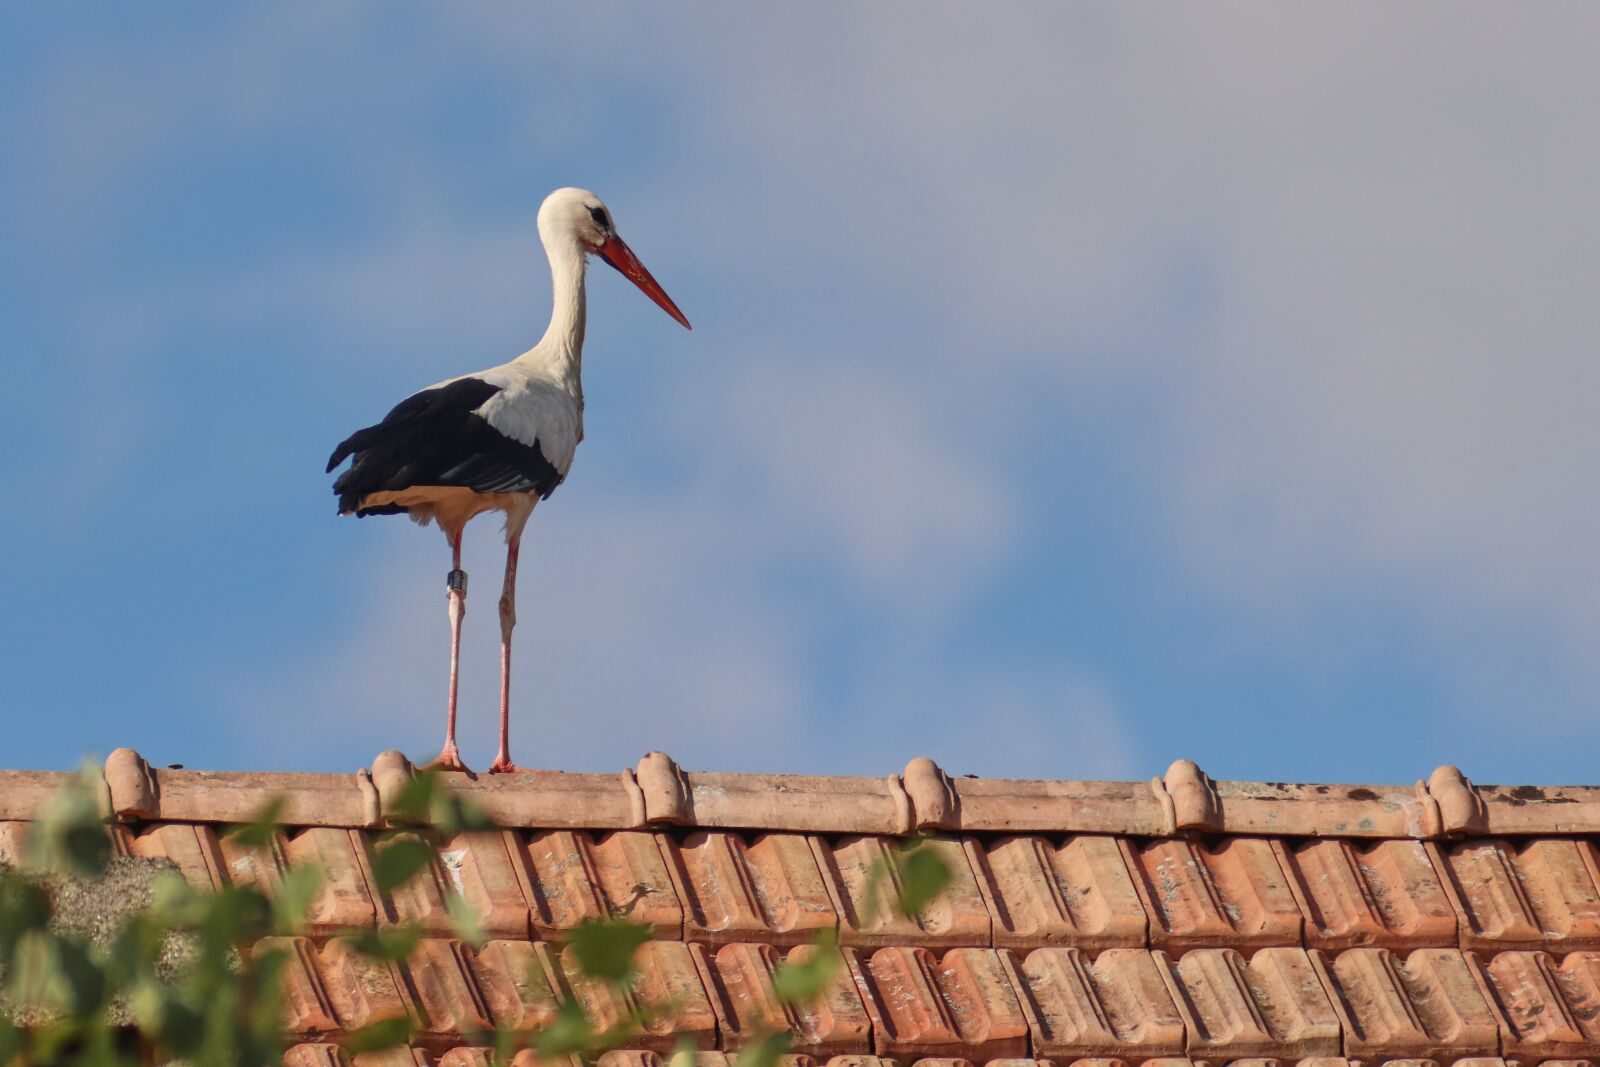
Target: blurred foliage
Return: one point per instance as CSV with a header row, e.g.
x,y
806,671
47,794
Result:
x,y
107,960
913,874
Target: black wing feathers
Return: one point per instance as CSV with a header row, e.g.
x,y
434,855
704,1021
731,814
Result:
x,y
436,438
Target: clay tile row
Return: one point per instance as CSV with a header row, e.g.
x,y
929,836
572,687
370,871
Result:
x,y
983,1005
327,1055
446,989
1085,891
656,793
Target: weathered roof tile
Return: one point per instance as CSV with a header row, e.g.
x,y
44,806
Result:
x,y
1234,893
1426,1005
1528,894
577,876
1548,1009
1270,1005
739,978
1359,893
1077,892
1114,1005
864,892
769,890
959,1005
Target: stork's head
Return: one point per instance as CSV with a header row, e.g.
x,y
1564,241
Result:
x,y
580,217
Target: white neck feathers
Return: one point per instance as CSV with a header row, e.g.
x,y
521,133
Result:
x,y
560,351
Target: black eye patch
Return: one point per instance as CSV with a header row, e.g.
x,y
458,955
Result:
x,y
599,215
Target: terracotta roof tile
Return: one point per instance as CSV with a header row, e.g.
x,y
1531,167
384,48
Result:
x,y
513,977
309,1010
487,871
769,890
1547,1009
1271,1005
739,978
1117,1004
960,1005
314,1055
1077,892
667,977
1180,921
194,849
344,903
13,842
361,990
1426,1005
1234,893
577,876
466,1056
1526,894
1358,893
451,1000
261,867
852,868
804,803
394,1057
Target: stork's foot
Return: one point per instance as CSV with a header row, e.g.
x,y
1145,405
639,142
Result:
x,y
449,759
502,765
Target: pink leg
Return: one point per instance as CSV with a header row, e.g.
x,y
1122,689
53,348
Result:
x,y
456,588
508,619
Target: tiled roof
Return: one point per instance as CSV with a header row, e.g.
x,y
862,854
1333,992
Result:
x,y
1173,921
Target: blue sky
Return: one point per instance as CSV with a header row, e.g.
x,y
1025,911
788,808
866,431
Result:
x,y
1072,388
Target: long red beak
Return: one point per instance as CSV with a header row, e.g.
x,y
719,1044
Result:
x,y
620,256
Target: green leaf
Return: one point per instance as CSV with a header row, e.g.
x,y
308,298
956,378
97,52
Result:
x,y
390,943
12,1041
683,1053
172,897
291,902
37,980
70,836
458,815
82,980
605,947
227,917
24,906
507,1042
570,1033
385,1033
399,860
259,831
464,921
426,800
923,875
416,799
164,1018
802,978
765,1051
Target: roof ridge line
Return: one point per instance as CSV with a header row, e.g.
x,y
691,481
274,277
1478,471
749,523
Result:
x,y
1183,802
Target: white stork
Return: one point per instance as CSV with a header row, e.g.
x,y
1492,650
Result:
x,y
500,439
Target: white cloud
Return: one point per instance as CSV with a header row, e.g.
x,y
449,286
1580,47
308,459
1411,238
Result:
x,y
838,455
1389,383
